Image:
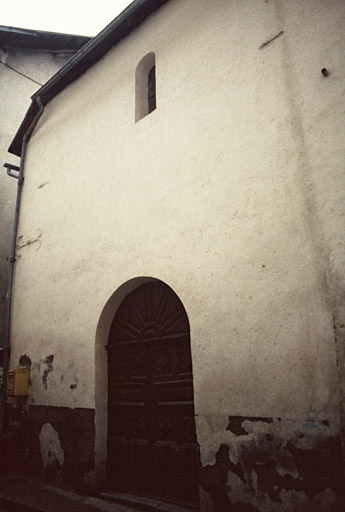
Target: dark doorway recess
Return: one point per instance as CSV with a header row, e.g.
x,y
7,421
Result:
x,y
152,448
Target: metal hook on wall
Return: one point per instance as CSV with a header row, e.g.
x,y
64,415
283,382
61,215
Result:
x,y
30,241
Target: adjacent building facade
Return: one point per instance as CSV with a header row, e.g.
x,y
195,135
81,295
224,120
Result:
x,y
28,59
181,310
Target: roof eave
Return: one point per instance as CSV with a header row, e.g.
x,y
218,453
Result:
x,y
39,40
88,55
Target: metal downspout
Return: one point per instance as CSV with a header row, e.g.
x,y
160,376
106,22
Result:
x,y
12,258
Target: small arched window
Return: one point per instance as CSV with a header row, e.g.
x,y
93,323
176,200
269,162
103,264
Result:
x,y
145,86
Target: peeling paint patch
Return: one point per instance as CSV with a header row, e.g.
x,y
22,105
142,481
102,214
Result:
x,y
213,479
51,451
273,464
25,360
281,464
235,424
48,361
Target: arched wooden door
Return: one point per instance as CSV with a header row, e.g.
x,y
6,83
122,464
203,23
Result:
x,y
152,447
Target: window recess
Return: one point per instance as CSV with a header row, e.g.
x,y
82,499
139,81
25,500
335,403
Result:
x,y
145,87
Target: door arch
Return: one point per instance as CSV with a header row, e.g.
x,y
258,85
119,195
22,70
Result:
x,y
152,448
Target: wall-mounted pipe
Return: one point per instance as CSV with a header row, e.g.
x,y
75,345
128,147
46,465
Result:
x,y
19,174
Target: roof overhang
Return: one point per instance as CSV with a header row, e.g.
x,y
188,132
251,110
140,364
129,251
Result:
x,y
118,29
13,37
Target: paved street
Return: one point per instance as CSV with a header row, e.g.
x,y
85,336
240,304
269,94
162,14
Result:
x,y
19,494
24,495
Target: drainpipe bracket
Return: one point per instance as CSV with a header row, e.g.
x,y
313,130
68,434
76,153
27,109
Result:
x,y
10,168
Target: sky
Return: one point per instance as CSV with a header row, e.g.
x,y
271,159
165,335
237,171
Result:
x,y
68,16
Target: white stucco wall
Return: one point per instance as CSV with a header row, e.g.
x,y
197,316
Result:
x,y
15,91
231,192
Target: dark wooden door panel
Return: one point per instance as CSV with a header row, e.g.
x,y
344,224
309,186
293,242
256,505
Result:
x,y
152,447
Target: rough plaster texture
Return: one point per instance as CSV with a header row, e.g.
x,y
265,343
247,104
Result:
x,y
15,100
232,193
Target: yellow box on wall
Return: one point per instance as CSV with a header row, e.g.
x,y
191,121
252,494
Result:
x,y
18,381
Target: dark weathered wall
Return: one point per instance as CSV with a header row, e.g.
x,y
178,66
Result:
x,y
274,464
56,442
